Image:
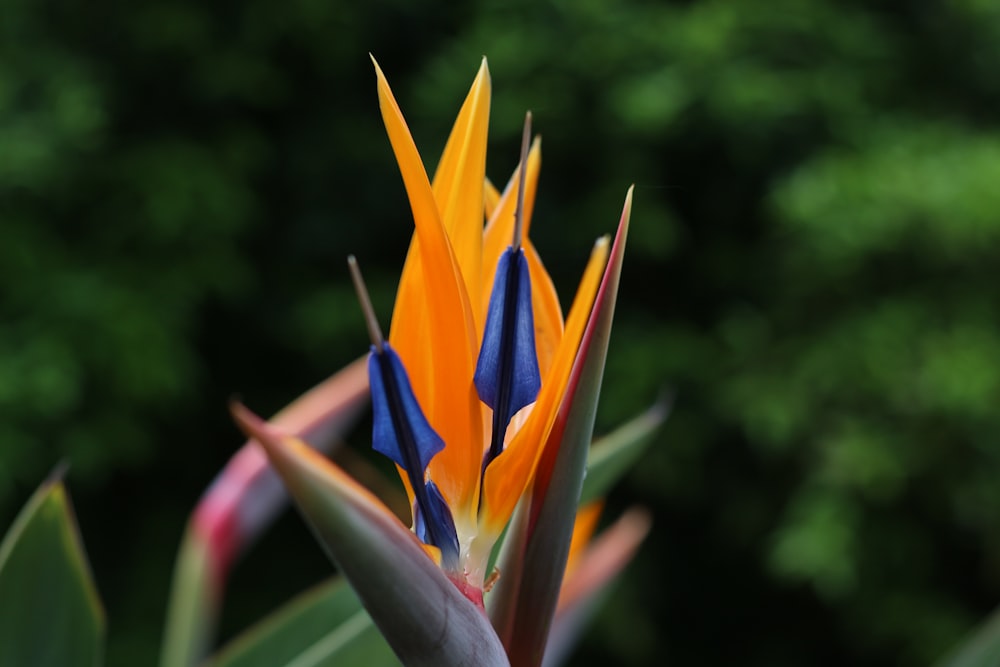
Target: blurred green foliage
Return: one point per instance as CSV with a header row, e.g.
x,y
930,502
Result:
x,y
813,270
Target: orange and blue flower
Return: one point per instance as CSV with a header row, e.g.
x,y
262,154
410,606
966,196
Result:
x,y
478,329
484,397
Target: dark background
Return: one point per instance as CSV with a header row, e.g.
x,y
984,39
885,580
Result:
x,y
812,268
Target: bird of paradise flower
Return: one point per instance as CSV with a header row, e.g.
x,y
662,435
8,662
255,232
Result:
x,y
484,396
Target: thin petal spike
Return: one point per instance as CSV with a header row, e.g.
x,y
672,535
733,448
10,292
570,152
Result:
x,y
500,228
519,211
547,312
374,330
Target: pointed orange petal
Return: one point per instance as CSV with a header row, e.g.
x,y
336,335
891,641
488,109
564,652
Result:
x,y
442,383
459,180
510,473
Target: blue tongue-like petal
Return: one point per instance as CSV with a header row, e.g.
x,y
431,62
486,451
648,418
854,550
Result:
x,y
402,432
439,514
507,376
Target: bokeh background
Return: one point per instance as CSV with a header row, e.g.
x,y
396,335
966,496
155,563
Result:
x,y
812,270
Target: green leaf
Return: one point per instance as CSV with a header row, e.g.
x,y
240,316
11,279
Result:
x,y
50,615
421,613
533,567
194,604
323,627
980,649
613,455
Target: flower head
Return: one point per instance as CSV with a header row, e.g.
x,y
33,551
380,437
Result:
x,y
484,397
479,356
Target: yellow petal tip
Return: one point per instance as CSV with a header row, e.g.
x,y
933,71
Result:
x,y
482,76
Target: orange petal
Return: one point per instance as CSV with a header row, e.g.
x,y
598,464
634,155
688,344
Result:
x,y
604,559
442,380
491,197
510,473
545,308
459,180
583,530
409,331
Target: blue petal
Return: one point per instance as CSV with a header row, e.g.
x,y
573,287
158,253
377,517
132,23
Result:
x,y
402,433
400,430
507,376
441,523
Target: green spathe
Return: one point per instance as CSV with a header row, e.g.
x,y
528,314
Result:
x,y
534,564
421,613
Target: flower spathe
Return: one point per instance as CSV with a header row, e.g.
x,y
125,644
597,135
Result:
x,y
477,327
